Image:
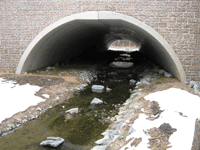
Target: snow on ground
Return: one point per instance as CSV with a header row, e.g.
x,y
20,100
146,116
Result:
x,y
15,98
173,101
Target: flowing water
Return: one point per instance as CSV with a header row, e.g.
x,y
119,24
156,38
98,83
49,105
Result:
x,y
84,128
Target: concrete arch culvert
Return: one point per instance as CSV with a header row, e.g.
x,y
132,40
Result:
x,y
95,31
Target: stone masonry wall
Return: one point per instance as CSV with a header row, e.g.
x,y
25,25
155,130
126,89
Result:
x,y
178,21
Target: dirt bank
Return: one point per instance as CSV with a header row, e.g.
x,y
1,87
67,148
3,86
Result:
x,y
58,88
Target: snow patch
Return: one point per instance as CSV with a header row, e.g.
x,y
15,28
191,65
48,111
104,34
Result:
x,y
15,98
174,102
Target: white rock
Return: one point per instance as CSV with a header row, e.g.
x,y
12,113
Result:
x,y
108,89
52,141
72,111
168,75
50,68
39,109
97,88
192,83
121,64
132,82
96,101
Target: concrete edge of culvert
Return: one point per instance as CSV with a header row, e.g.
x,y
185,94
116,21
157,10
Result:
x,y
103,15
86,15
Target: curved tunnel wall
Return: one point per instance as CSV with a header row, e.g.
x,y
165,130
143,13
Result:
x,y
95,31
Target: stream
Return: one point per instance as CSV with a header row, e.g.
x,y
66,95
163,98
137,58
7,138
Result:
x,y
85,127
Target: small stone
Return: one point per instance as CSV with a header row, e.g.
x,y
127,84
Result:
x,y
97,88
39,109
52,141
50,68
96,101
168,75
161,72
72,111
108,89
192,83
197,87
24,121
132,82
88,81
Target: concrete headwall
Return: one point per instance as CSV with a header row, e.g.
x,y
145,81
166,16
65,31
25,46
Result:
x,y
177,21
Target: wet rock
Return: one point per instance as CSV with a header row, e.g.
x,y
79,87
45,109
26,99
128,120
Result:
x,y
192,83
161,72
121,64
50,68
96,101
52,141
72,111
39,109
197,87
167,74
108,89
88,81
105,147
132,82
97,88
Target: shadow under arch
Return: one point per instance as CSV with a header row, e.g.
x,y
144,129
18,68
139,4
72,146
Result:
x,y
96,30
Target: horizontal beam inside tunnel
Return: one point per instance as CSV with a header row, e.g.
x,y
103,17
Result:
x,y
94,31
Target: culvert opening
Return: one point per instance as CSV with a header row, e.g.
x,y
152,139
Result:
x,y
88,36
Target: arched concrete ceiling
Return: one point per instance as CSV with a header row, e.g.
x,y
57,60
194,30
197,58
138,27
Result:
x,y
95,31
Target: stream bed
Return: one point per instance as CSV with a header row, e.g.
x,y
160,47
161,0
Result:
x,y
85,127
